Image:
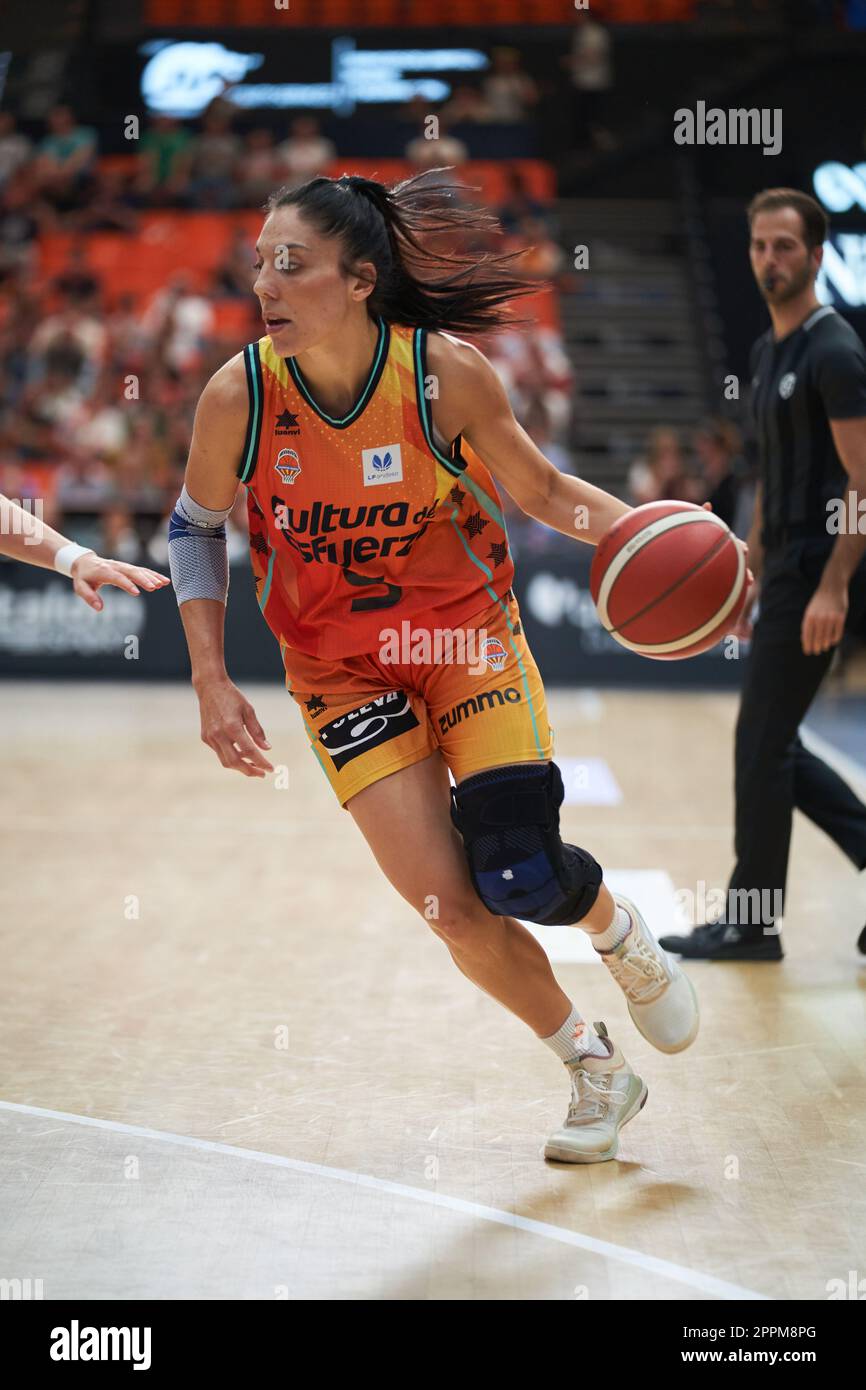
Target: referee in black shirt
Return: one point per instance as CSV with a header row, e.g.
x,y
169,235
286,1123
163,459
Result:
x,y
809,406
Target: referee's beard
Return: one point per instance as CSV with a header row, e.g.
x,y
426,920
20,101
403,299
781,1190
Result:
x,y
780,287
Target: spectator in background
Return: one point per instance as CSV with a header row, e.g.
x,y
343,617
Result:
x,y
718,448
119,536
76,281
519,202
64,165
20,221
442,149
591,66
235,273
466,104
539,427
15,331
75,335
47,410
305,153
509,92
163,165
543,258
15,148
178,321
127,338
527,532
213,158
144,461
661,473
258,172
533,366
103,429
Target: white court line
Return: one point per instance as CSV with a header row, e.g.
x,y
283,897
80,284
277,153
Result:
x,y
706,1283
840,762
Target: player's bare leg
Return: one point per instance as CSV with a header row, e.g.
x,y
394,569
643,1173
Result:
x,y
427,865
497,952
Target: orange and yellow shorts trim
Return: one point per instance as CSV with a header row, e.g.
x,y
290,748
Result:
x,y
477,697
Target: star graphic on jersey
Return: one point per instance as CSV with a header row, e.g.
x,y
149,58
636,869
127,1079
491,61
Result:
x,y
497,552
475,524
456,496
517,629
315,705
286,421
259,543
509,594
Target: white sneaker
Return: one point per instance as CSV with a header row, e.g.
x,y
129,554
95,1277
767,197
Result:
x,y
606,1094
661,998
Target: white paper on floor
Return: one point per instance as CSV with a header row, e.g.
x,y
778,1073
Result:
x,y
588,782
651,890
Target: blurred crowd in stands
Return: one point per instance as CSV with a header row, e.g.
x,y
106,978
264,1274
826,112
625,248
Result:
x,y
98,391
710,467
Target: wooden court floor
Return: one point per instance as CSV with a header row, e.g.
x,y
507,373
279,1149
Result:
x,y
234,1064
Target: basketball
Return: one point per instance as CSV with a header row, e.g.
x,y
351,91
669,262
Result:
x,y
668,580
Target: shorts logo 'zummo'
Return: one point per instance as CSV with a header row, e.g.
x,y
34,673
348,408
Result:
x,y
476,704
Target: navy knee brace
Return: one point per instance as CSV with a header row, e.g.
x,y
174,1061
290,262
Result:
x,y
509,820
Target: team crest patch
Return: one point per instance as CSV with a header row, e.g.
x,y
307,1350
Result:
x,y
494,653
382,465
288,465
787,384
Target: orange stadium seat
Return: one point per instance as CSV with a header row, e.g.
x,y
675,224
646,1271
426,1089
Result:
x,y
167,241
117,163
216,14
195,242
236,320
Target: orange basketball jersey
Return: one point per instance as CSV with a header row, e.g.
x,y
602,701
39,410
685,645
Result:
x,y
361,523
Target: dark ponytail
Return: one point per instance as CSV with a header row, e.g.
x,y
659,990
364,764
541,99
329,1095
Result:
x,y
415,283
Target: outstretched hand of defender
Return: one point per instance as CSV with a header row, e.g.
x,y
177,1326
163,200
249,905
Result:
x,y
91,571
229,726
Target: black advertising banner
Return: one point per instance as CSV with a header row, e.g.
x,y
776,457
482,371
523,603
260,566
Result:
x,y
45,630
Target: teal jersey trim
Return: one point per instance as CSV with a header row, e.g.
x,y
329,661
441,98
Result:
x,y
452,463
380,357
523,676
255,391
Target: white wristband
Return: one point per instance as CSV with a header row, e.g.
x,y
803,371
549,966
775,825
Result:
x,y
68,554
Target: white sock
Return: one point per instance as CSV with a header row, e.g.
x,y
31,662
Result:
x,y
576,1038
619,928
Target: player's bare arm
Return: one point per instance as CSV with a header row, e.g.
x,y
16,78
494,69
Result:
x,y
824,618
473,402
228,721
24,536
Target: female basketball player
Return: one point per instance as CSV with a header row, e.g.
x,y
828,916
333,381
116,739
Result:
x,y
25,537
368,438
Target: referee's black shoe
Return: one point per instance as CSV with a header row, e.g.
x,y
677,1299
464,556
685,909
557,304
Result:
x,y
725,941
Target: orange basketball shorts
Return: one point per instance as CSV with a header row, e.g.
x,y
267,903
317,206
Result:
x,y
474,692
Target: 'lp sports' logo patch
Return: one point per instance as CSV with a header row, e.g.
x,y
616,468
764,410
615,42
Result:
x,y
383,465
